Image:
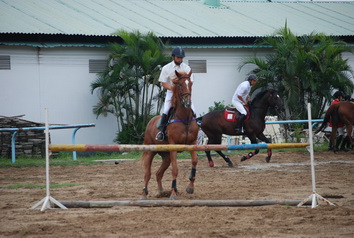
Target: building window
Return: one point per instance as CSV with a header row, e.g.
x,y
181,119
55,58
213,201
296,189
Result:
x,y
97,66
198,66
5,62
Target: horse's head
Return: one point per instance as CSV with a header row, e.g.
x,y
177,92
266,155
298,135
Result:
x,y
275,101
182,89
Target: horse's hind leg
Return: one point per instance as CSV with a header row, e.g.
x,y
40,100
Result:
x,y
190,187
349,134
147,160
161,171
210,160
213,140
227,159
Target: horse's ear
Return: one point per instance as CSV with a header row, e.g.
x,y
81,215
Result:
x,y
177,74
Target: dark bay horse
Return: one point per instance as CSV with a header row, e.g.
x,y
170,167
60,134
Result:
x,y
214,124
182,129
342,112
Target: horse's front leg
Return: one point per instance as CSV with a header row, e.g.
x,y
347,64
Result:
x,y
269,155
190,188
262,137
173,157
226,158
160,172
349,134
147,160
250,154
253,140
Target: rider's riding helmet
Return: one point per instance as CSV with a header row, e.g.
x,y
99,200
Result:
x,y
252,77
338,94
178,52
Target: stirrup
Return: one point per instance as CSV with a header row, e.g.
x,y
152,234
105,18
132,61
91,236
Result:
x,y
160,136
199,122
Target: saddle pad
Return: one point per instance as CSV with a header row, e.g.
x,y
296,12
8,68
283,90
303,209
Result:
x,y
229,115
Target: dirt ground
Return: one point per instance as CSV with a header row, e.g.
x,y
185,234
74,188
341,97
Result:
x,y
287,176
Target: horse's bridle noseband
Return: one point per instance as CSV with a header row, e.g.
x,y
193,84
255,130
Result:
x,y
184,97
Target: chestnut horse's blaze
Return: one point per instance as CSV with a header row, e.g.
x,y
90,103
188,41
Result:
x,y
182,129
214,124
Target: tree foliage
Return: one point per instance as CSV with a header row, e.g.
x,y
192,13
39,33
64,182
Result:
x,y
303,69
128,88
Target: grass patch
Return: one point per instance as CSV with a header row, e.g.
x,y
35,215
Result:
x,y
28,185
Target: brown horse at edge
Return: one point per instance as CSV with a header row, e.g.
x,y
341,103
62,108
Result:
x,y
342,112
181,129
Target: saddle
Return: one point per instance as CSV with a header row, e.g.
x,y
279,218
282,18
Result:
x,y
231,114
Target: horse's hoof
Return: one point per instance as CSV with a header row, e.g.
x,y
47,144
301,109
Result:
x,y
159,193
173,197
211,164
243,158
190,190
230,164
267,159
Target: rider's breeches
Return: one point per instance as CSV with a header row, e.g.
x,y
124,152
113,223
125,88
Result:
x,y
239,107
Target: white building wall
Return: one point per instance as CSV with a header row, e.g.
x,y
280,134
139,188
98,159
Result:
x,y
59,79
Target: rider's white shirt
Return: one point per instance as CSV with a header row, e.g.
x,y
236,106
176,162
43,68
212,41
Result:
x,y
167,75
242,90
168,72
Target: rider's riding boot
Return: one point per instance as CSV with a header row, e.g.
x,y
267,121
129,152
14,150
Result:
x,y
338,141
240,123
343,146
161,134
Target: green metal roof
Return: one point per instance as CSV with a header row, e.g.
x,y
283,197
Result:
x,y
173,18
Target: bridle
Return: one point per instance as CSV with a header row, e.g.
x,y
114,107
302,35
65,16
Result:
x,y
184,97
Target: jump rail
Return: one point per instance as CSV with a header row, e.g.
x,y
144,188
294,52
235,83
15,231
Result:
x,y
179,203
128,148
42,128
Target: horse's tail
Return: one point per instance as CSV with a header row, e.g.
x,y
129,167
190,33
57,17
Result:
x,y
332,109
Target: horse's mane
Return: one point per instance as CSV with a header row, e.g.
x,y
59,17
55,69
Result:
x,y
260,95
174,96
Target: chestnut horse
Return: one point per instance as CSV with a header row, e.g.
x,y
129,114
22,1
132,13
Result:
x,y
214,124
181,129
342,112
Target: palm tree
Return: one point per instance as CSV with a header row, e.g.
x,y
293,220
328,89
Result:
x,y
128,86
303,69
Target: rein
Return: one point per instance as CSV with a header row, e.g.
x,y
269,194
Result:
x,y
182,120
